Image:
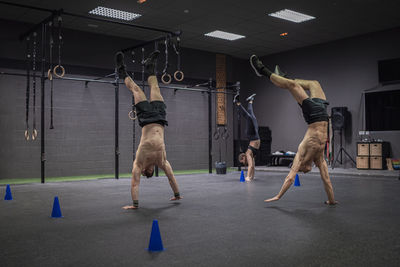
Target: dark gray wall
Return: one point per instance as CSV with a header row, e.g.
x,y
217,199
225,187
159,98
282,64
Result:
x,y
345,69
83,139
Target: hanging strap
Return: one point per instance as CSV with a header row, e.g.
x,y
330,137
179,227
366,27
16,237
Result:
x,y
59,70
27,96
34,131
166,77
178,74
49,72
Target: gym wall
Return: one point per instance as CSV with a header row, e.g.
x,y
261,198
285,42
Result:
x,y
83,139
345,68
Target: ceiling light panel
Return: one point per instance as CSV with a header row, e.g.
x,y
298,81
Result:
x,y
224,35
114,13
291,15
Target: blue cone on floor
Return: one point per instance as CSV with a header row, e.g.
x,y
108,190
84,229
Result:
x,y
297,180
242,177
155,243
8,195
56,213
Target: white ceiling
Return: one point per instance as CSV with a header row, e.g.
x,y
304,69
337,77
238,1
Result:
x,y
335,19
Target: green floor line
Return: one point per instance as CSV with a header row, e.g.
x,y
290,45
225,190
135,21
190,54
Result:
x,y
95,177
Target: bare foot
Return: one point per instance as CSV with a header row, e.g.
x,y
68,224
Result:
x,y
130,208
175,198
331,203
271,199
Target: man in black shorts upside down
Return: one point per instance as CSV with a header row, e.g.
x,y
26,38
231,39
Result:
x,y
252,135
152,118
311,149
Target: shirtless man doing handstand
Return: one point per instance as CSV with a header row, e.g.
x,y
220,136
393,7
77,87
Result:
x,y
311,149
152,118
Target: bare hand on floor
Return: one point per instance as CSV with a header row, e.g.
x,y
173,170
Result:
x,y
130,208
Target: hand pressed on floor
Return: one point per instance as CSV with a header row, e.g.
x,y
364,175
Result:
x,y
130,207
271,199
175,198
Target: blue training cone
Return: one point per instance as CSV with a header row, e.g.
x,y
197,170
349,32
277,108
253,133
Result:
x,y
155,243
56,213
297,180
242,177
8,195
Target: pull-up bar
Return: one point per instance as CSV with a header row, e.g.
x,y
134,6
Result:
x,y
174,34
62,12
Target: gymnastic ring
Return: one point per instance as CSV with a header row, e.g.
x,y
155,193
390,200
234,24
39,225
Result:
x,y
179,72
34,134
26,135
169,78
131,116
49,75
62,71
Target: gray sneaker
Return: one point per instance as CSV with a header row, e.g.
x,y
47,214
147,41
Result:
x,y
279,72
251,98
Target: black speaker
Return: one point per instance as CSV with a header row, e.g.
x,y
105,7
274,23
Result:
x,y
338,117
264,156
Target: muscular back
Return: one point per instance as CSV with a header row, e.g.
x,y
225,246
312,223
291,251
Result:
x,y
151,150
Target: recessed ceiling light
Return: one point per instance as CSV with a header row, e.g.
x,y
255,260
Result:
x,y
291,15
114,13
224,35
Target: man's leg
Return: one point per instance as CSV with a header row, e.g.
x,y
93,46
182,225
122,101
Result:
x,y
138,94
135,89
150,66
314,87
155,93
295,89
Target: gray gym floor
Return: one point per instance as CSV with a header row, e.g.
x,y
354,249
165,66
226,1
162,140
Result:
x,y
220,222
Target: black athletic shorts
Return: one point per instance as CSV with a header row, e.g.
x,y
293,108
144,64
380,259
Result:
x,y
151,112
314,109
253,149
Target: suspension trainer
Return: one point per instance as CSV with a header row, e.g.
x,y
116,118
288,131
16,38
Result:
x,y
178,75
60,42
166,77
49,72
34,131
28,81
